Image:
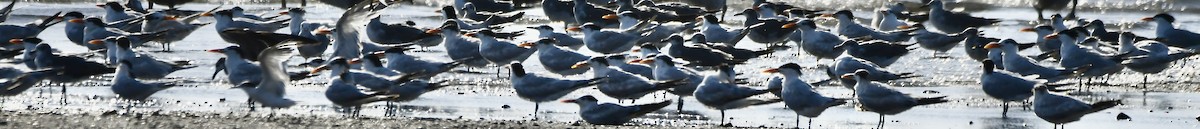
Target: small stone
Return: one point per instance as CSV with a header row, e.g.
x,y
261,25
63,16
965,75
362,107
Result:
x,y
109,113
461,93
1123,116
971,122
221,100
506,106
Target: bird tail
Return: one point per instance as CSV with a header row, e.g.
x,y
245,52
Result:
x,y
836,102
648,108
670,84
595,81
437,85
1099,106
753,102
907,76
933,100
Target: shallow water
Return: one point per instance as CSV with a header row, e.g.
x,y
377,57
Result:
x,y
482,96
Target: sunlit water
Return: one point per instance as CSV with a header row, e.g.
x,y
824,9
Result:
x,y
482,96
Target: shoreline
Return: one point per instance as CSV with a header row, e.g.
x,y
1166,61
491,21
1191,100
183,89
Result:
x,y
162,119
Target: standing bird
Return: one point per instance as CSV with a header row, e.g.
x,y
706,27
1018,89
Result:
x,y
940,43
501,52
717,93
343,90
849,64
74,29
882,53
1043,5
128,88
800,96
1006,86
270,90
460,48
1044,44
74,69
176,29
538,88
665,70
621,84
386,33
561,39
403,63
608,41
772,30
1060,110
818,43
560,11
1170,35
588,13
594,112
1152,58
880,98
29,30
947,21
710,27
1025,66
558,60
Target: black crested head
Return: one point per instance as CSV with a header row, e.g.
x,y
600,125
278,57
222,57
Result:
x,y
846,13
792,66
517,69
75,14
1165,16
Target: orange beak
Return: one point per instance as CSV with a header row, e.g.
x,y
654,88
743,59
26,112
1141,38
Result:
x,y
646,61
635,61
355,61
610,17
772,70
470,35
991,45
579,65
904,27
170,18
216,51
323,31
1148,19
575,29
77,20
378,54
206,14
526,45
96,42
826,15
1028,30
16,41
636,50
568,101
789,26
318,69
433,31
1052,36
283,13
100,5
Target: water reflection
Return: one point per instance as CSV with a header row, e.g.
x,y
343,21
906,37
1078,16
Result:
x,y
1004,123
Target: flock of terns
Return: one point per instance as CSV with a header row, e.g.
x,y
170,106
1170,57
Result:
x,y
663,59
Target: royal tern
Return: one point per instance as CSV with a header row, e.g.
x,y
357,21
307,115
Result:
x,y
881,98
799,96
594,112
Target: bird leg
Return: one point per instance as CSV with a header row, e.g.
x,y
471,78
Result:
x,y
1004,113
283,4
536,106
